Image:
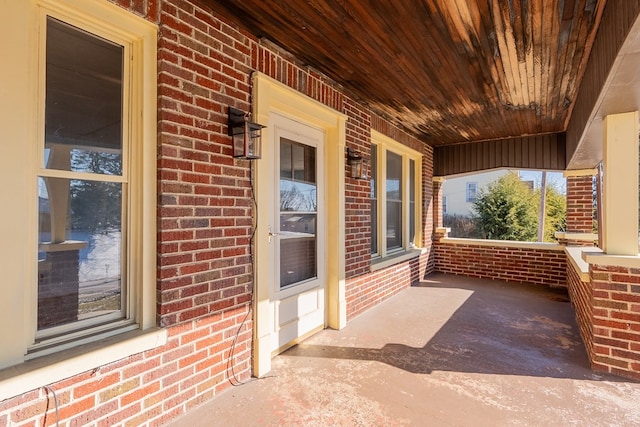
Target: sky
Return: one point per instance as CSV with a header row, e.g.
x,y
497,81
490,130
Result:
x,y
553,178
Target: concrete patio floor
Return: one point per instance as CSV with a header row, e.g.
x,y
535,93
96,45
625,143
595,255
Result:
x,y
451,351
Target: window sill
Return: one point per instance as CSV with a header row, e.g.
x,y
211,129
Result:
x,y
44,370
388,261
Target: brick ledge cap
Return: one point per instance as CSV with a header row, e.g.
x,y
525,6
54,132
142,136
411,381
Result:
x,y
601,258
587,237
574,255
502,243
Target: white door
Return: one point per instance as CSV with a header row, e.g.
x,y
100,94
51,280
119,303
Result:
x,y
297,233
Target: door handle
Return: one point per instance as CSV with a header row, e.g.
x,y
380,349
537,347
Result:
x,y
271,234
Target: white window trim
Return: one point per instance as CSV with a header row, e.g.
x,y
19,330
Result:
x,y
20,40
384,144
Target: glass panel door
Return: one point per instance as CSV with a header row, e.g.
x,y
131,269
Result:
x,y
298,213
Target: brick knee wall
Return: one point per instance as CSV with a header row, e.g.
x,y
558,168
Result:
x,y
517,264
581,296
369,290
616,320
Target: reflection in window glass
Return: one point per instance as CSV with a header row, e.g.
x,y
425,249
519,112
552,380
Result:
x,y
374,199
83,107
298,213
286,171
394,200
297,196
297,260
412,201
79,250
297,161
472,192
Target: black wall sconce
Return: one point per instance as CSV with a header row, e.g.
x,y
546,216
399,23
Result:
x,y
247,136
357,164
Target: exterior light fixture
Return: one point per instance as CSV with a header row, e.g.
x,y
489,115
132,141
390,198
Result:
x,y
357,164
246,135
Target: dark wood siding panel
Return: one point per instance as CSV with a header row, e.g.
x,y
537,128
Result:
x,y
617,19
542,152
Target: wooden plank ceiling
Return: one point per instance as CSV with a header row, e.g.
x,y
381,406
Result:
x,y
448,71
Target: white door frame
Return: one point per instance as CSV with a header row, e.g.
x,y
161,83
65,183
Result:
x,y
299,310
270,96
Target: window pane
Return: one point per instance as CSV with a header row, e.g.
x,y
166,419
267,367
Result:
x,y
298,213
83,107
394,225
394,200
285,161
79,250
374,199
472,191
374,171
394,176
297,196
374,226
297,260
303,162
412,201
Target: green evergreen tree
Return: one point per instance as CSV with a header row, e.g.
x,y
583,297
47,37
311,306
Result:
x,y
96,205
506,210
555,212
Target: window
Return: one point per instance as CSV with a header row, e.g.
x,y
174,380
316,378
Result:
x,y
395,197
472,192
89,187
444,204
374,199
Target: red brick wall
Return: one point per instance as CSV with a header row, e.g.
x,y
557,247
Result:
x,y
284,68
429,210
616,320
580,204
579,208
581,295
369,290
144,389
357,194
205,207
525,265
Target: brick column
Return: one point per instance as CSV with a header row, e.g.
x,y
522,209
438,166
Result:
x,y
615,273
579,220
438,181
58,284
616,316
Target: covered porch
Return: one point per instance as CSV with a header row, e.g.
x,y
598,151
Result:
x,y
450,350
422,326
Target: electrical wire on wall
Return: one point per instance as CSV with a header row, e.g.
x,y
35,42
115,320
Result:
x,y
233,378
48,390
